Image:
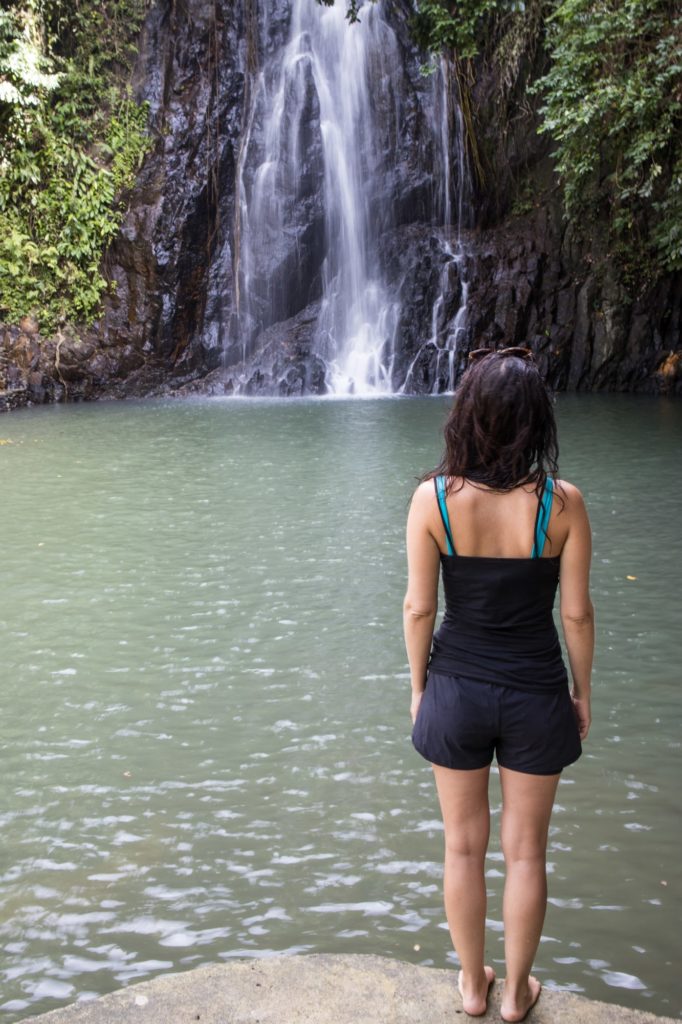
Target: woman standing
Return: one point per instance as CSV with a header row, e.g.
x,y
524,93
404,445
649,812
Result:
x,y
492,680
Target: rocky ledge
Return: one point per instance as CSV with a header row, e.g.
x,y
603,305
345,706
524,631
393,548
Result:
x,y
320,989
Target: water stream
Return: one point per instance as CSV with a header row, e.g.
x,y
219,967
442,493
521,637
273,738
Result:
x,y
205,740
320,164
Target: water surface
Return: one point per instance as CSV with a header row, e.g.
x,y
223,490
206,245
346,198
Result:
x,y
204,698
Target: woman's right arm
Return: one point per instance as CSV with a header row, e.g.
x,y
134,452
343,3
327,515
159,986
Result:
x,y
577,612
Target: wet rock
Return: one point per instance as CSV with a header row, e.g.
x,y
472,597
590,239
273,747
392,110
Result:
x,y
282,361
426,268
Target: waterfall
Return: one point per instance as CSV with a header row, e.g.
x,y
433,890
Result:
x,y
448,333
316,170
357,317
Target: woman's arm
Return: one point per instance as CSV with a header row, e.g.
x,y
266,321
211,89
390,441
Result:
x,y
577,613
421,600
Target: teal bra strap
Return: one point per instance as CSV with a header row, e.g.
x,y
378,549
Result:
x,y
439,481
542,520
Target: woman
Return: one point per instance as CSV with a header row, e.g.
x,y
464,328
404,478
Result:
x,y
492,679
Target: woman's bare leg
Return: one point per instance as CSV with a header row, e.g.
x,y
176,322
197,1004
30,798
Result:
x,y
527,802
463,797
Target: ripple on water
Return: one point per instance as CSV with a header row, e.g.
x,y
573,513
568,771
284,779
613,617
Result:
x,y
218,765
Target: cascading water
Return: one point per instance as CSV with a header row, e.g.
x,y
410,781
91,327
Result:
x,y
318,173
356,326
448,333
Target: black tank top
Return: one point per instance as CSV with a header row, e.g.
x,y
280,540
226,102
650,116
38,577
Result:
x,y
498,625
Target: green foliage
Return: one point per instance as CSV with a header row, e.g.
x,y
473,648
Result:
x,y
438,25
613,105
72,142
26,74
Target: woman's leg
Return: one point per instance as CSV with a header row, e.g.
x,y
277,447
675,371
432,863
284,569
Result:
x,y
527,802
463,797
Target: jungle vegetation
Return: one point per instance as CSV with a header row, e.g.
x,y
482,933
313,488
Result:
x,y
71,141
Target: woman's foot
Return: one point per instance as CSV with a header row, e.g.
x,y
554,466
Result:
x,y
517,1009
475,996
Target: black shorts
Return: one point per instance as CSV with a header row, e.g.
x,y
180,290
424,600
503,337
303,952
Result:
x,y
463,722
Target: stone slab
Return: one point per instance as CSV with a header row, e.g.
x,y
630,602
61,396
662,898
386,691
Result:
x,y
320,989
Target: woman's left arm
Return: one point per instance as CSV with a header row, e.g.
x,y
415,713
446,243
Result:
x,y
421,600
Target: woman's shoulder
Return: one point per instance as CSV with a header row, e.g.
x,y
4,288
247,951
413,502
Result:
x,y
426,490
569,491
424,493
571,498
424,504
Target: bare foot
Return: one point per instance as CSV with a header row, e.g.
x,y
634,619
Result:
x,y
517,1010
475,998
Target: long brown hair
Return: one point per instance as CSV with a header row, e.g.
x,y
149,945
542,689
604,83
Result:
x,y
501,430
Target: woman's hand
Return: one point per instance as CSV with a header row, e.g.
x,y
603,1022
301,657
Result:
x,y
583,713
414,706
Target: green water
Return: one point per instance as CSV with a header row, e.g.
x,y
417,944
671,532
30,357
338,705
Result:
x,y
205,731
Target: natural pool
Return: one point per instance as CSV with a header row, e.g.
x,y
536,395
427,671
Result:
x,y
205,732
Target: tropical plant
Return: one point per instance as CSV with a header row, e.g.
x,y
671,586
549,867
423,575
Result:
x,y
613,106
72,139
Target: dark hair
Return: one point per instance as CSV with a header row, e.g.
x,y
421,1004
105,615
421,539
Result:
x,y
501,430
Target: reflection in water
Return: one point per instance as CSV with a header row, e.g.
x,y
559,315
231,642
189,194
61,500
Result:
x,y
204,704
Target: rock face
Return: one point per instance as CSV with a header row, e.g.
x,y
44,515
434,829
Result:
x,y
188,314
320,989
528,284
